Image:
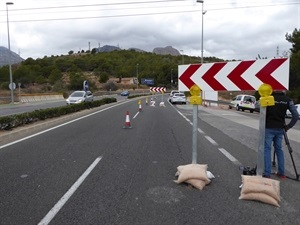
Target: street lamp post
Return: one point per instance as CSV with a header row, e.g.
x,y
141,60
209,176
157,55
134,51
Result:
x,y
9,62
137,76
171,78
202,14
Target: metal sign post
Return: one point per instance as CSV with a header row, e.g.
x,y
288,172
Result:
x,y
265,90
195,100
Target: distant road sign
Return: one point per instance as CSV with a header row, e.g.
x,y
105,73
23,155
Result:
x,y
235,76
12,86
158,89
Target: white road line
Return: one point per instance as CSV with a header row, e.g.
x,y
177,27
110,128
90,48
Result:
x,y
229,156
200,131
222,150
51,214
212,141
135,115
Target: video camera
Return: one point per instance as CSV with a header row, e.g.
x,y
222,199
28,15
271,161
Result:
x,y
249,171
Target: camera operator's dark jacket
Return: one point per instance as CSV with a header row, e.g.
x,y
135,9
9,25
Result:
x,y
275,117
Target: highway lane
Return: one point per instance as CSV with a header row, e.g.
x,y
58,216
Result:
x,y
133,181
17,108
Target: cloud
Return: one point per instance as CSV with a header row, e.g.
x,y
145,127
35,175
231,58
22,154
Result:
x,y
232,29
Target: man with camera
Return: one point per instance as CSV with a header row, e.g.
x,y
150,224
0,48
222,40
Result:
x,y
275,126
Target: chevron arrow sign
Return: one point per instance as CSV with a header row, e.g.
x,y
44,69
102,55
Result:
x,y
157,89
235,76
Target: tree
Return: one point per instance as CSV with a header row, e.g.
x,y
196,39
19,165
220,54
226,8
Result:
x,y
294,38
294,81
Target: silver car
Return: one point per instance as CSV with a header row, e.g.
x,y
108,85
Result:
x,y
178,98
79,97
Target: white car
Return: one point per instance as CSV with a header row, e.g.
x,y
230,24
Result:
x,y
243,102
289,114
172,93
178,98
79,97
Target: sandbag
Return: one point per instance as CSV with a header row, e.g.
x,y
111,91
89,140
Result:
x,y
181,167
199,184
256,184
260,189
193,172
260,197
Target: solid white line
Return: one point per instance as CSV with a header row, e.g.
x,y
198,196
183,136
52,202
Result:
x,y
44,131
212,141
51,214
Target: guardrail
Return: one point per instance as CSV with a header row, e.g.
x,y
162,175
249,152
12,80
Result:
x,y
40,97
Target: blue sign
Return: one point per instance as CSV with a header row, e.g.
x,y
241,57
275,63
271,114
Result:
x,y
85,85
147,81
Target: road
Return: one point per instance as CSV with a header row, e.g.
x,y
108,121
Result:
x,y
17,108
91,170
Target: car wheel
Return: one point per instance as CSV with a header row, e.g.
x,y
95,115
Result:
x,y
237,108
229,107
251,111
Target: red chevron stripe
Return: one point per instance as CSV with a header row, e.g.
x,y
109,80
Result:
x,y
236,73
209,77
186,76
265,74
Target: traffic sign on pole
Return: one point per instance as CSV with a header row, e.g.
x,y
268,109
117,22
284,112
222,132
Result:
x,y
235,76
157,89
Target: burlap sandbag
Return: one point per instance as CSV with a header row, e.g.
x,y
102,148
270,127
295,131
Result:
x,y
260,197
192,172
199,184
257,184
200,166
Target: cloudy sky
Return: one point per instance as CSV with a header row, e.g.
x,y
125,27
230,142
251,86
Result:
x,y
233,29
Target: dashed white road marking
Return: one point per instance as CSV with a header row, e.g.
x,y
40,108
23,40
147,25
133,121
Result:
x,y
213,142
229,156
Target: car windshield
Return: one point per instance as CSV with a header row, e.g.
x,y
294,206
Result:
x,y
77,94
179,95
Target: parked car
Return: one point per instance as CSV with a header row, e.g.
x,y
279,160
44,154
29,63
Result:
x,y
289,114
243,102
178,98
125,93
172,93
79,97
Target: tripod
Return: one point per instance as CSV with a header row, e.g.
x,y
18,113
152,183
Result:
x,y
287,142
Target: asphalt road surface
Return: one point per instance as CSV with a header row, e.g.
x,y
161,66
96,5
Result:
x,y
90,170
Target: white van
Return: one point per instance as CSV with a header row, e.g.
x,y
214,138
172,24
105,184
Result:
x,y
243,102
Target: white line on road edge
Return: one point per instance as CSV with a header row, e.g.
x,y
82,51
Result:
x,y
51,214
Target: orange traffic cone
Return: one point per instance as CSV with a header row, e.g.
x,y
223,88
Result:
x,y
127,121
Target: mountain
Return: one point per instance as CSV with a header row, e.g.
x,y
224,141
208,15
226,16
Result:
x,y
169,50
4,57
108,48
